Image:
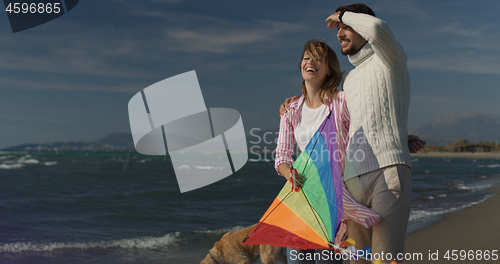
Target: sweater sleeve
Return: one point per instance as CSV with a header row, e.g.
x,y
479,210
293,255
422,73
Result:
x,y
286,142
378,34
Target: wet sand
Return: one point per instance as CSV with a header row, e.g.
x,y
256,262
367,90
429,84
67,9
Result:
x,y
476,228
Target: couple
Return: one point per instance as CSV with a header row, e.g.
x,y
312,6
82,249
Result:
x,y
370,116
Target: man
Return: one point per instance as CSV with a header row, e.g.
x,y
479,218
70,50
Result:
x,y
377,170
378,96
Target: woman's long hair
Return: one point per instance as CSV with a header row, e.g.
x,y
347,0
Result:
x,y
319,50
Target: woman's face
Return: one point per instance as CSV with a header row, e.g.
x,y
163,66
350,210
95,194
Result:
x,y
313,70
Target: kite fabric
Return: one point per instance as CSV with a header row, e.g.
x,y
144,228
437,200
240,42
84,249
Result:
x,y
310,217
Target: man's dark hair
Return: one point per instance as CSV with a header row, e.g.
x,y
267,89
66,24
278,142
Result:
x,y
357,8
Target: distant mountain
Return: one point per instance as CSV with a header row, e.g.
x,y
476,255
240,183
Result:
x,y
452,126
432,140
438,131
111,142
260,140
117,140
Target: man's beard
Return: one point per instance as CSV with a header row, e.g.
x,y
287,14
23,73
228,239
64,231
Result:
x,y
349,51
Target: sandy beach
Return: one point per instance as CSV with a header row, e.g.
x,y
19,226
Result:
x,y
476,228
457,154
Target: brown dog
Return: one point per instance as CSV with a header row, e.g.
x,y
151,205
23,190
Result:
x,y
229,250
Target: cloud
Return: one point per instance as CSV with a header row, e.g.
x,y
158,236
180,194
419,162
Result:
x,y
199,41
38,119
400,8
453,45
81,53
457,49
122,86
145,2
166,1
221,39
457,29
464,63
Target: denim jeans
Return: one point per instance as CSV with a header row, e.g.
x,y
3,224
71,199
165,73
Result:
x,y
299,256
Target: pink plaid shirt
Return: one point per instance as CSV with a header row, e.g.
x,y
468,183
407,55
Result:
x,y
285,148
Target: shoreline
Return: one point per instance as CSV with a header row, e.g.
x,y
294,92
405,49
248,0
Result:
x,y
474,228
457,154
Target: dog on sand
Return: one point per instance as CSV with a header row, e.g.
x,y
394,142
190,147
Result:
x,y
229,250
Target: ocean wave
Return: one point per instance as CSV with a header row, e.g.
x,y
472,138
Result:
x,y
187,167
209,168
496,165
5,157
28,160
473,187
12,166
184,167
432,197
11,162
219,231
134,243
421,214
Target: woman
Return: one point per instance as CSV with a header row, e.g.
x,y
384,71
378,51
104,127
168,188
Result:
x,y
321,73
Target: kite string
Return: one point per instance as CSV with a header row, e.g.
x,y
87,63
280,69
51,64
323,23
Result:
x,y
314,212
281,200
312,149
302,185
309,158
303,171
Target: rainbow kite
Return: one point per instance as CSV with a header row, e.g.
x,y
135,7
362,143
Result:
x,y
307,218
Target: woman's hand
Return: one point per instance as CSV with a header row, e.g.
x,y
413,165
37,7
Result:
x,y
299,178
296,180
286,105
287,173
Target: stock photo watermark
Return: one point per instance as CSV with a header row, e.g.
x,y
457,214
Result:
x,y
205,144
263,146
26,14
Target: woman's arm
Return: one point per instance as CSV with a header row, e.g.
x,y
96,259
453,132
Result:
x,y
285,145
284,169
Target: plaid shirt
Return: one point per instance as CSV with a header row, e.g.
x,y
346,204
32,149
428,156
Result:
x,y
285,148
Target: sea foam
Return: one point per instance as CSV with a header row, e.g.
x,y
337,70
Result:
x,y
137,243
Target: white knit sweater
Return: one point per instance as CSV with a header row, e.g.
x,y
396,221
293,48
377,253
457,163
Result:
x,y
378,96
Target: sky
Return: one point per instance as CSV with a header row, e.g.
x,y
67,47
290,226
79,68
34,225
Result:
x,y
72,78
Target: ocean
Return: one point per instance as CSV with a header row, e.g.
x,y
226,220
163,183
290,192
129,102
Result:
x,y
86,207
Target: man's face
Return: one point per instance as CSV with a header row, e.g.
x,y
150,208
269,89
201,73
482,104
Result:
x,y
349,39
